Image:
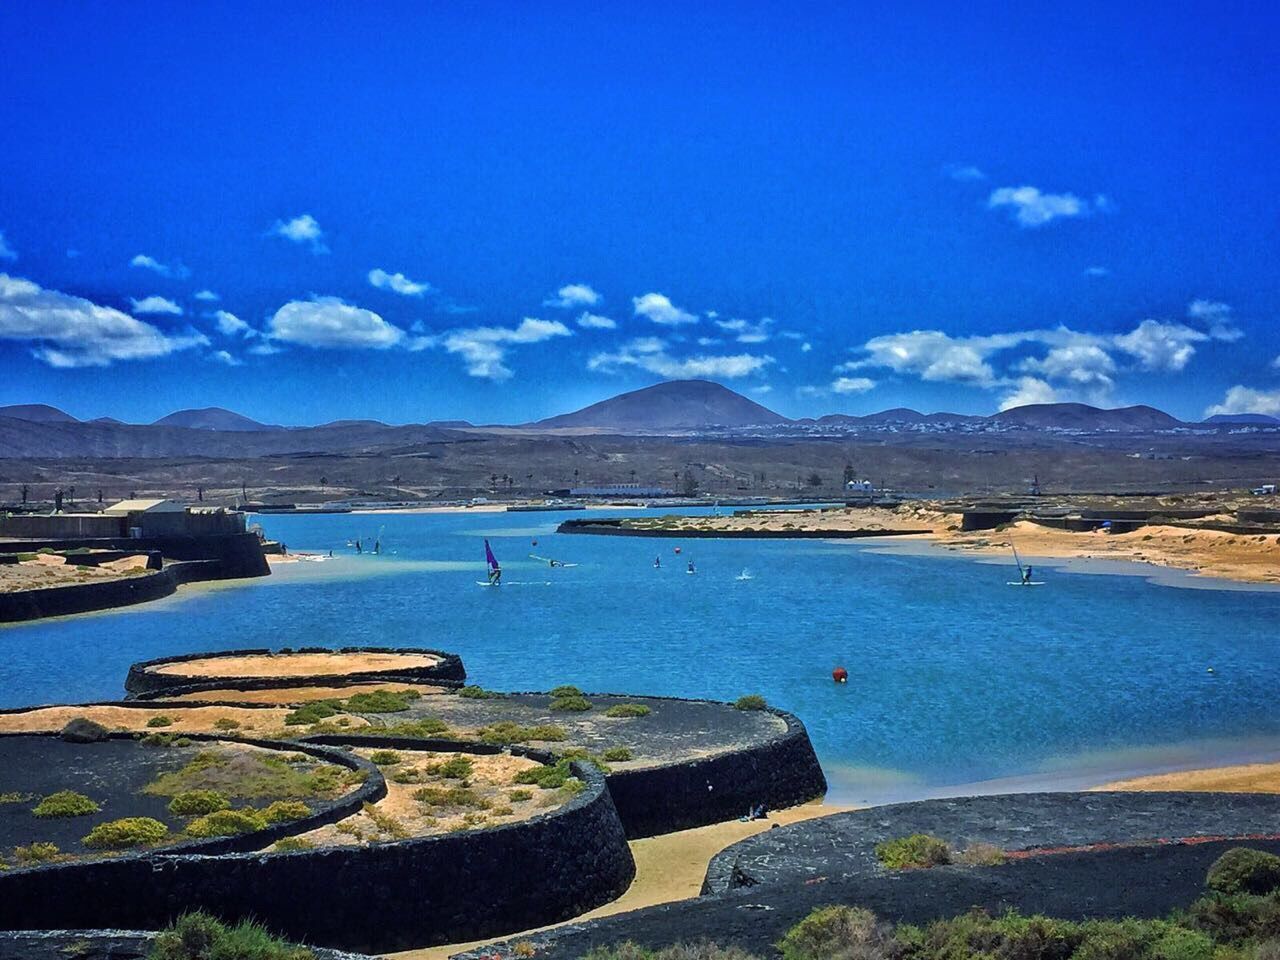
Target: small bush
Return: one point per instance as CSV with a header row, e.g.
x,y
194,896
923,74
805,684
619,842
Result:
x,y
571,704
292,845
197,803
567,690
386,823
917,850
65,803
477,693
385,758
837,931
505,732
226,823
160,720
450,797
1244,870
283,811
981,855
381,701
618,754
126,832
407,775
628,710
519,796
548,778
16,797
457,767
165,740
226,723
752,701
313,712
198,936
36,853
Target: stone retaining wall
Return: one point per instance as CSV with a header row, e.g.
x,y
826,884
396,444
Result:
x,y
101,945
615,528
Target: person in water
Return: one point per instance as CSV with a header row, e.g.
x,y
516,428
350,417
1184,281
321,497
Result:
x,y
657,563
377,546
359,548
495,576
1026,576
691,570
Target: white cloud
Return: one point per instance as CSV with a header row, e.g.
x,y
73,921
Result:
x,y
1029,390
806,347
1084,364
327,322
1218,317
965,173
155,266
397,283
1097,272
573,295
6,252
852,385
935,356
660,309
1161,346
1032,208
206,296
761,390
154,304
745,331
1247,400
230,325
709,341
222,356
652,355
301,229
593,321
67,331
265,348
484,349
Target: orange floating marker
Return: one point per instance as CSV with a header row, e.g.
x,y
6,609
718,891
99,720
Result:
x,y
840,675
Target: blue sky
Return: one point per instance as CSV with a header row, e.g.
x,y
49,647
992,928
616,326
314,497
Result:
x,y
504,211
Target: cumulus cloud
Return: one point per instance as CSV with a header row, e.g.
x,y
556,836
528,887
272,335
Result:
x,y
329,323
155,266
573,295
1084,364
6,252
397,283
222,356
852,385
658,308
593,321
68,331
1161,346
301,229
651,354
744,331
1033,208
229,325
1241,399
935,356
1218,317
964,173
206,296
155,304
484,349
1029,390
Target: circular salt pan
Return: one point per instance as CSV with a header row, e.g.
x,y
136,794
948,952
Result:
x,y
295,664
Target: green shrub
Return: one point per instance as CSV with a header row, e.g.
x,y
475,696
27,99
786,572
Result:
x,y
283,811
226,723
226,823
981,855
385,758
36,852
571,704
548,778
198,936
752,701
457,767
450,797
292,845
313,712
160,720
837,931
16,797
567,690
126,832
519,796
407,775
477,693
1244,870
65,803
628,710
505,732
197,803
381,701
165,740
618,754
917,850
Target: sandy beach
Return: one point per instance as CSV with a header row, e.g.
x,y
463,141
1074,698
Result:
x,y
1242,778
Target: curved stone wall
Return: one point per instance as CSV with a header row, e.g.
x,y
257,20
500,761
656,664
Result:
x,y
84,597
425,890
143,681
101,945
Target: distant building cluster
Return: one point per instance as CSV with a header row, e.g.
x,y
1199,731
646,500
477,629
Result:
x,y
620,490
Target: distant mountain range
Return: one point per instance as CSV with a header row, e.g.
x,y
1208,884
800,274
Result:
x,y
679,407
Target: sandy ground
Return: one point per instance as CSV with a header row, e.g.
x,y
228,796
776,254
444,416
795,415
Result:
x,y
186,720
668,868
1247,778
491,779
303,694
53,571
295,664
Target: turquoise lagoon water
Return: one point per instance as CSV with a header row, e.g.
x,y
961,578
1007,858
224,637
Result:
x,y
955,678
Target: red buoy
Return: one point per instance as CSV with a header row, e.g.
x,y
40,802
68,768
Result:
x,y
840,675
